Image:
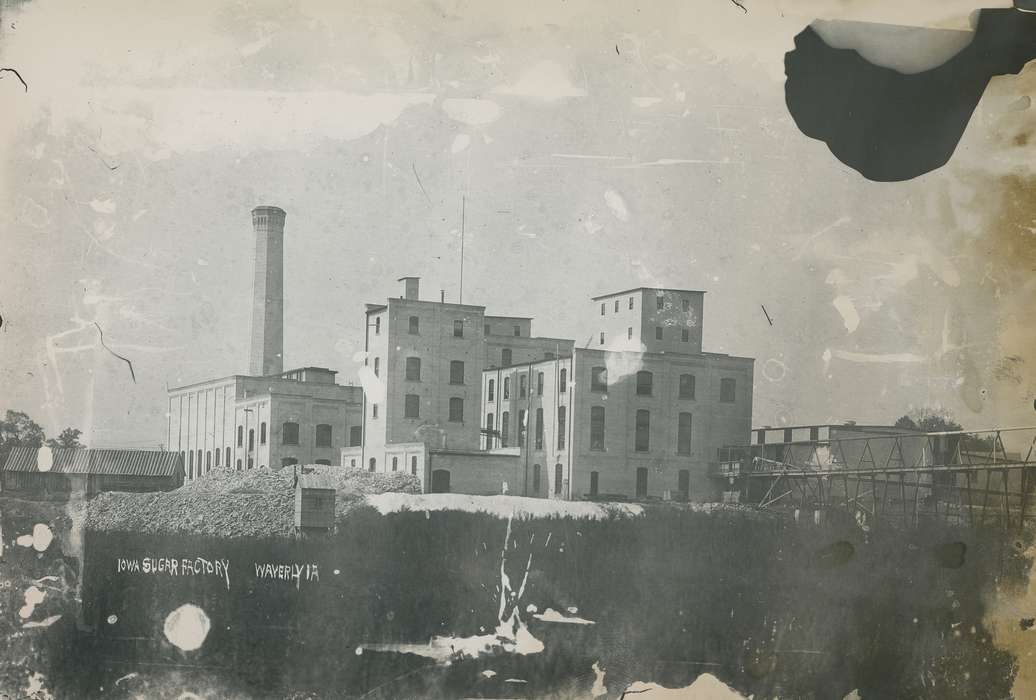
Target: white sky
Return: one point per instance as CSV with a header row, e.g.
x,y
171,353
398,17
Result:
x,y
599,145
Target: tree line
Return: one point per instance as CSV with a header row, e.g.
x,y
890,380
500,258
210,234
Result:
x,y
17,429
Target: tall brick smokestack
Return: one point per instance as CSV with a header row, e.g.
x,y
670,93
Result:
x,y
268,293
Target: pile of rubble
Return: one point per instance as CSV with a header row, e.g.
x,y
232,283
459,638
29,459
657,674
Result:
x,y
229,503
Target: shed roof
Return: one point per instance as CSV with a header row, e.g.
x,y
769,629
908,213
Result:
x,y
75,460
316,481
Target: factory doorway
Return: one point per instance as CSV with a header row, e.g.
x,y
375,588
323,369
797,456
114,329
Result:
x,y
441,481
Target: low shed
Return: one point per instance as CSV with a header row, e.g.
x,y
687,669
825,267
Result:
x,y
57,473
314,502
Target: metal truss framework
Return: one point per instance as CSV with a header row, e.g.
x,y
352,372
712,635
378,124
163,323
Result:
x,y
965,477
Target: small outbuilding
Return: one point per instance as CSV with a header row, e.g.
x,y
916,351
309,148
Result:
x,y
314,502
58,473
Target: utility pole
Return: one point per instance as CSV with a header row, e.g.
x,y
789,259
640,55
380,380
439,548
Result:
x,y
462,213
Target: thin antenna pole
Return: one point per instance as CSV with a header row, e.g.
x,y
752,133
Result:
x,y
462,212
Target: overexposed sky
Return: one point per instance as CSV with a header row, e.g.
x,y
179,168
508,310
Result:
x,y
598,145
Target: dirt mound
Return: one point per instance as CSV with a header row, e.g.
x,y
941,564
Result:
x,y
226,502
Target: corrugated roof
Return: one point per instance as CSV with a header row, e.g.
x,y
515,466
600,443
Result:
x,y
70,460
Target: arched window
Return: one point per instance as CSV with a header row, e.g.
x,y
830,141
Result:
x,y
643,431
216,455
228,457
239,465
563,381
505,419
413,465
208,460
686,386
489,421
507,387
372,464
490,391
561,427
240,436
251,439
352,462
539,428
190,465
558,480
645,380
539,383
262,433
323,436
395,463
377,366
411,406
599,379
290,433
413,369
199,462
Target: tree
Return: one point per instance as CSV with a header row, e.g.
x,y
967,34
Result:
x,y
929,420
18,430
69,437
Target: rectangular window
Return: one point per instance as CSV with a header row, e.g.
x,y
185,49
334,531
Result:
x,y
561,427
686,304
602,308
814,434
597,428
288,461
505,420
412,406
491,391
507,388
413,369
599,379
240,436
658,332
563,381
642,478
377,326
456,372
760,437
535,478
643,432
323,436
659,302
686,386
683,435
602,338
539,383
456,410
631,303
616,306
505,357
685,335
262,436
594,483
518,330
458,329
374,410
727,389
787,435
415,325
377,366
521,428
290,434
522,386
355,436
485,329
629,333
539,428
395,463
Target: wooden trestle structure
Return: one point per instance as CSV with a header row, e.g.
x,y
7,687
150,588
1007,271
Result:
x,y
965,477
